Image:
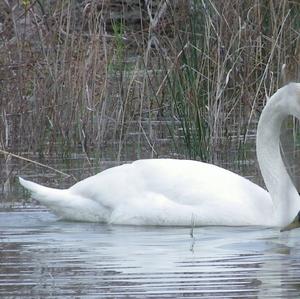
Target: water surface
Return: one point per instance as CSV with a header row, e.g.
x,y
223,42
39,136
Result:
x,y
42,256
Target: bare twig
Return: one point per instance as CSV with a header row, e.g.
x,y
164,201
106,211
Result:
x,y
36,163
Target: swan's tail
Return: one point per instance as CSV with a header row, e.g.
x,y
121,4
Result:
x,y
45,195
67,204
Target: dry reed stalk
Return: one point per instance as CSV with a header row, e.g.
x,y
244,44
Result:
x,y
70,88
36,163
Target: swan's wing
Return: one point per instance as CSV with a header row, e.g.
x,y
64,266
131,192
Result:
x,y
190,181
180,181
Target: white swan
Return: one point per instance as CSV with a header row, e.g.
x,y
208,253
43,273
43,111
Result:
x,y
181,192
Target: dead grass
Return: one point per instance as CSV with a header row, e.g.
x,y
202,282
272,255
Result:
x,y
73,80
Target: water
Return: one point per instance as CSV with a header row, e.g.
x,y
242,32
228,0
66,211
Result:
x,y
42,256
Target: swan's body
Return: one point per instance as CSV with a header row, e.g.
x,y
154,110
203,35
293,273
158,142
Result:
x,y
161,192
182,192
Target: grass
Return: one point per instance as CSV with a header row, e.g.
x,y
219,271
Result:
x,y
72,80
233,56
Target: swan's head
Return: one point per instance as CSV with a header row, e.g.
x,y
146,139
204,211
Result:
x,y
287,99
294,224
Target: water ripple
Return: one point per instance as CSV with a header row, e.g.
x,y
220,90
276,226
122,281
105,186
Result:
x,y
44,257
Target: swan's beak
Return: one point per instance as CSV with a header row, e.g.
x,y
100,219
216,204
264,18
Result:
x,y
294,224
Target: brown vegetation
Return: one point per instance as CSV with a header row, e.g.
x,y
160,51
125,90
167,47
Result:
x,y
77,75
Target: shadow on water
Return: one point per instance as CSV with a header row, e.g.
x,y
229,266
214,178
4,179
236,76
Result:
x,y
42,256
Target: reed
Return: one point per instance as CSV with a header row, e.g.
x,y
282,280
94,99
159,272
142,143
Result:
x,y
232,57
72,81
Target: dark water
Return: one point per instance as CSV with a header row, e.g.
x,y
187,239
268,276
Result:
x,y
44,257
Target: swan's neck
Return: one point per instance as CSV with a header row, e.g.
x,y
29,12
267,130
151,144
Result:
x,y
277,180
